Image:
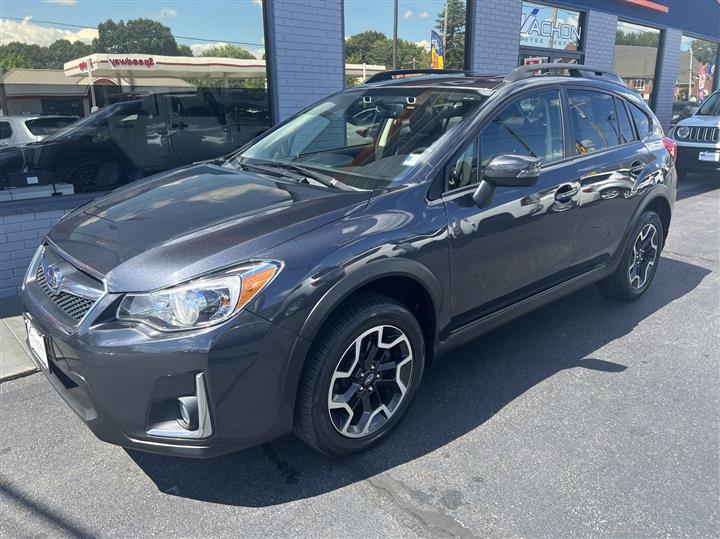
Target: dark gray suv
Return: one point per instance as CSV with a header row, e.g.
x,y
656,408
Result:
x,y
305,282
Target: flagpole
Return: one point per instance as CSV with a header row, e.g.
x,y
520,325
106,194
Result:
x,y
395,29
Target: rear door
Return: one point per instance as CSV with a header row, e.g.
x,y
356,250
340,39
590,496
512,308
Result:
x,y
610,160
522,241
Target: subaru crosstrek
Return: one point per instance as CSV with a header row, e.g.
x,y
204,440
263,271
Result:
x,y
305,282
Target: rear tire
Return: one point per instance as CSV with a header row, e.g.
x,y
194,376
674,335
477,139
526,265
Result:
x,y
361,374
639,261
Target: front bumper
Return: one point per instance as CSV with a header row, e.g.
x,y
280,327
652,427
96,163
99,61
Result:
x,y
118,377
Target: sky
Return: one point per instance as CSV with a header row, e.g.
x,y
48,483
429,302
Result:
x,y
214,21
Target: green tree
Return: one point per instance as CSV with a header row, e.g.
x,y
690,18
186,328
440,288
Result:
x,y
184,50
10,60
228,51
704,51
137,36
33,56
455,37
373,47
639,39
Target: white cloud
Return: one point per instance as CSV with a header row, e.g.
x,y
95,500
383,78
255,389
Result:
x,y
423,15
408,14
63,2
424,43
28,32
164,13
167,12
199,48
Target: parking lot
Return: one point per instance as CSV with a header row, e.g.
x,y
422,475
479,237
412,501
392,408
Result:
x,y
586,417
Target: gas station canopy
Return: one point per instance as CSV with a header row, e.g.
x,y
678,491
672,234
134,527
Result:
x,y
114,66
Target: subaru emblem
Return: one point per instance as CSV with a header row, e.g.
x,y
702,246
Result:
x,y
54,277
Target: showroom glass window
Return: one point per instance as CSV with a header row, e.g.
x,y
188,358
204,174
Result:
x,y
550,34
135,91
369,35
636,54
695,75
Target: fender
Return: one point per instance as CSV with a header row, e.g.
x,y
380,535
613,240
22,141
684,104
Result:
x,y
656,192
341,290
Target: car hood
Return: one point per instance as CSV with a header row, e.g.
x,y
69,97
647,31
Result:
x,y
187,222
700,121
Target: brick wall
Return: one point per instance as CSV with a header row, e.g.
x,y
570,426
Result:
x,y
496,36
600,32
23,225
20,235
305,51
666,76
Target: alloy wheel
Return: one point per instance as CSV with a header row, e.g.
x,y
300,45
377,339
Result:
x,y
643,256
370,381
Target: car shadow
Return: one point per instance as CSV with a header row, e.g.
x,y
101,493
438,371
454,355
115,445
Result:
x,y
457,395
698,183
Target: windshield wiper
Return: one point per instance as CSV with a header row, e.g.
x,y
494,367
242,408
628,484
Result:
x,y
298,173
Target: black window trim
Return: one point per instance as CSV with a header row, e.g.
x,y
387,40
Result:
x,y
560,89
10,127
615,95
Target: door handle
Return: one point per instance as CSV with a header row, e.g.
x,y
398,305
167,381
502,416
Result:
x,y
566,192
637,168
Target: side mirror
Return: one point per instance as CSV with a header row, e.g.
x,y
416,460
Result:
x,y
508,170
693,110
512,170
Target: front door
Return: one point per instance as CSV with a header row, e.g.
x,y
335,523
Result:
x,y
523,240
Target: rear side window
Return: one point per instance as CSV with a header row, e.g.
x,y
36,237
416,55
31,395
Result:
x,y
642,122
624,122
47,126
5,130
595,125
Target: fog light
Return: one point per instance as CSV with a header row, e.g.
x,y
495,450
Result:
x,y
188,408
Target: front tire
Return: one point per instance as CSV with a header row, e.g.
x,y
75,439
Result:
x,y
639,261
360,376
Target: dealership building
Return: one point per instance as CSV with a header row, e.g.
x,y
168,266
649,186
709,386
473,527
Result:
x,y
659,48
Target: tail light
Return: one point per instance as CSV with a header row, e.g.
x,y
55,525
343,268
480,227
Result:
x,y
671,147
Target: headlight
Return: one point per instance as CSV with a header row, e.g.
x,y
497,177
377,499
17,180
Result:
x,y
682,132
200,303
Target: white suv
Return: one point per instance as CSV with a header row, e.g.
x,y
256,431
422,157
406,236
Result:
x,y
18,130
698,139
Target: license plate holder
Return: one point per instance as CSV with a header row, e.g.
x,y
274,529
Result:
x,y
36,343
712,157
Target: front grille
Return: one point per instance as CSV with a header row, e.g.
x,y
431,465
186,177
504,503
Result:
x,y
76,307
703,134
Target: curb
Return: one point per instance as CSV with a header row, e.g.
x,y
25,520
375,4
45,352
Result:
x,y
17,375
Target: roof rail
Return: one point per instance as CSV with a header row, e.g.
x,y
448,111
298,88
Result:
x,y
575,70
392,73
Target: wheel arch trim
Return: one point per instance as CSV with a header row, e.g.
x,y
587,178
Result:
x,y
393,267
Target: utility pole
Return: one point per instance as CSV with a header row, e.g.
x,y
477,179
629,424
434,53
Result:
x,y
395,26
690,74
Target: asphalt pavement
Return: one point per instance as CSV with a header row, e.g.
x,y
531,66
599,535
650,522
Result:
x,y
584,418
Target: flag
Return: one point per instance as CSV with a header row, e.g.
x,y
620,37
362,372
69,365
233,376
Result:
x,y
437,54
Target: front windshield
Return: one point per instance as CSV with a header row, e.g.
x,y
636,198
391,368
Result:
x,y
369,137
711,106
